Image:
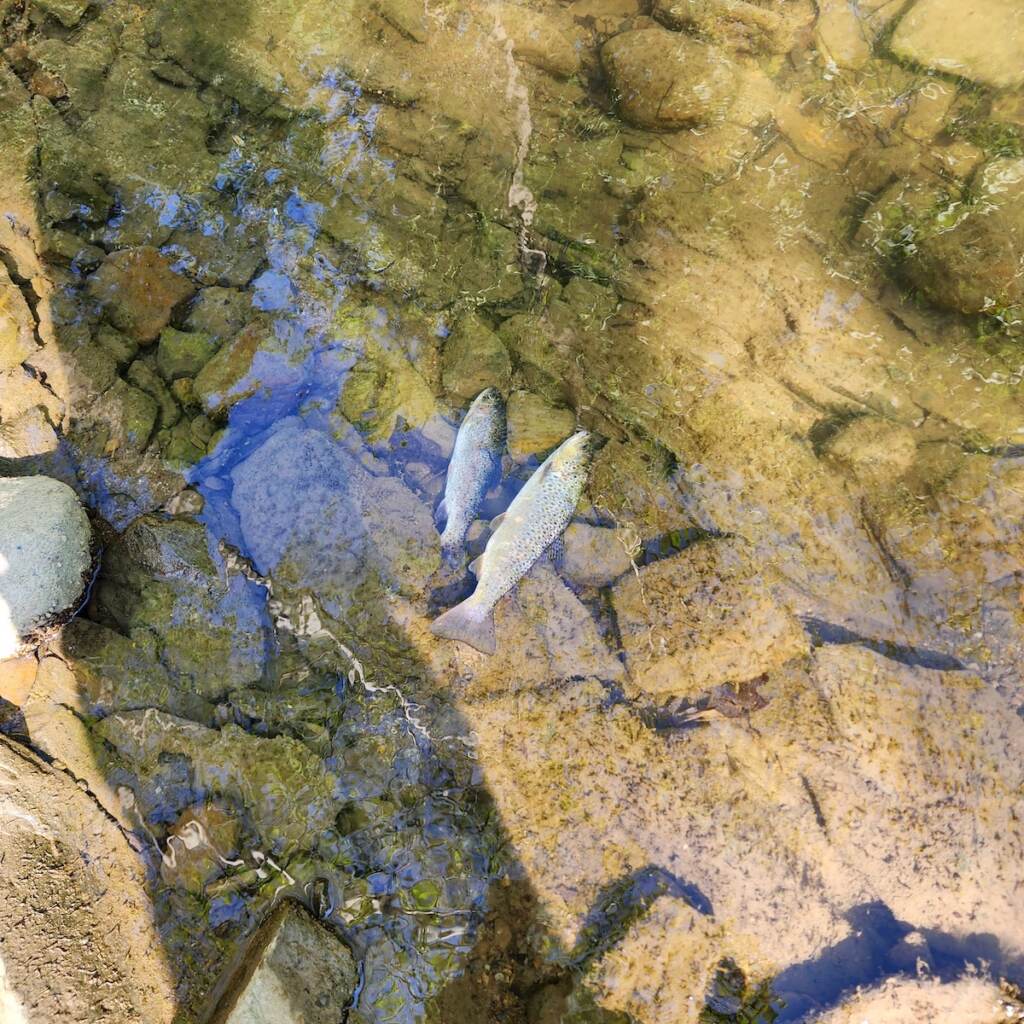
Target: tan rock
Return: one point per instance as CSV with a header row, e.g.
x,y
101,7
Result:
x,y
979,39
474,358
664,80
703,618
534,426
17,342
877,451
226,378
840,34
16,678
548,38
914,1000
80,942
27,435
659,971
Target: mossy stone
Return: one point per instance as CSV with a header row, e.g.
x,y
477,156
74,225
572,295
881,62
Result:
x,y
183,353
474,358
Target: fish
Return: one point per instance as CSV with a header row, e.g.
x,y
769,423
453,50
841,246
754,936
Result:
x,y
474,466
536,518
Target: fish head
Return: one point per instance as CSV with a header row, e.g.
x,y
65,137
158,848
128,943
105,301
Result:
x,y
576,453
489,400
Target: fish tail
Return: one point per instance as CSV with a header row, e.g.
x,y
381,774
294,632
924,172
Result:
x,y
465,622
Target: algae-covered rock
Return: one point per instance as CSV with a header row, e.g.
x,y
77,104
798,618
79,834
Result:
x,y
282,785
745,26
534,426
142,375
382,389
967,257
137,289
228,377
183,353
219,312
979,40
664,80
119,673
203,839
702,618
159,581
45,547
474,358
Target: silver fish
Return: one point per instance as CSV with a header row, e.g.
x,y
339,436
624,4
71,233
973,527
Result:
x,y
536,518
474,466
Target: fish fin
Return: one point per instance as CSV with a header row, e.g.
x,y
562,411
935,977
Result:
x,y
459,624
476,565
441,514
497,521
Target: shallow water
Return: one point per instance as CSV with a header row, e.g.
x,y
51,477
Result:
x,y
759,718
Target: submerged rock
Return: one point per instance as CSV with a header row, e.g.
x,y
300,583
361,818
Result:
x,y
312,515
967,253
138,290
979,41
198,846
535,426
160,586
282,785
704,617
594,556
45,552
968,1000
875,450
183,353
665,80
474,358
295,971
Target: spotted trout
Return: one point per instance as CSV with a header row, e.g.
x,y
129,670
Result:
x,y
535,519
475,462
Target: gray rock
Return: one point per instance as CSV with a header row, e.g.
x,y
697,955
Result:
x,y
44,552
220,312
312,514
593,556
295,971
665,80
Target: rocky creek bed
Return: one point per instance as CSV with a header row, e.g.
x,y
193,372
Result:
x,y
752,746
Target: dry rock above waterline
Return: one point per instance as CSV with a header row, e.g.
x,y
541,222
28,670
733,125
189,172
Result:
x,y
73,904
45,553
665,80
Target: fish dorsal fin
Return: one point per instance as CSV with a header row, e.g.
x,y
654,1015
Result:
x,y
497,521
476,565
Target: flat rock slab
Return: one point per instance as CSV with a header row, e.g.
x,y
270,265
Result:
x,y
982,40
295,971
704,617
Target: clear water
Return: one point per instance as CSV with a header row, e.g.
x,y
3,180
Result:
x,y
724,297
